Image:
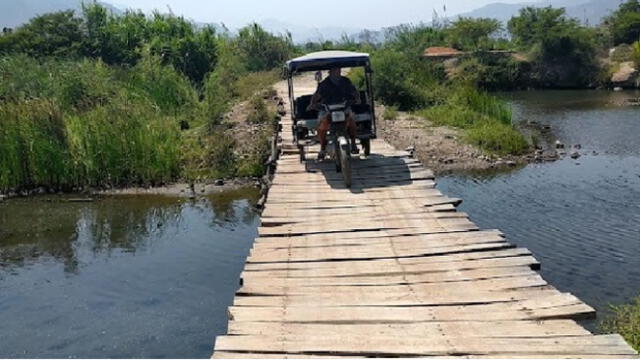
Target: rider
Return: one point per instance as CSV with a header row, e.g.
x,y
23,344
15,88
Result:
x,y
335,89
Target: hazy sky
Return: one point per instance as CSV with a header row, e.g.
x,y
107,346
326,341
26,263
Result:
x,y
371,14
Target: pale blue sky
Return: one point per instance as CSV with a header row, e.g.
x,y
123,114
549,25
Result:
x,y
371,14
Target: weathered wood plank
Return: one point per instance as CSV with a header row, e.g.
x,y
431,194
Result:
x,y
426,346
465,329
318,255
513,282
404,297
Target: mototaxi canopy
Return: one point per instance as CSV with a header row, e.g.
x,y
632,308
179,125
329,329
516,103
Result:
x,y
325,60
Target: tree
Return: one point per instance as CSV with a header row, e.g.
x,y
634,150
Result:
x,y
51,34
624,23
563,51
263,50
473,34
535,25
412,40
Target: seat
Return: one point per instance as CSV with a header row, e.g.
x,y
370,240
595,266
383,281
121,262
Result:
x,y
301,105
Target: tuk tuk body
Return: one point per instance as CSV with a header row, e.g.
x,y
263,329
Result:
x,y
305,122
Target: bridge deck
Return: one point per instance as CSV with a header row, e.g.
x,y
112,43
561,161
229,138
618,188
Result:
x,y
390,268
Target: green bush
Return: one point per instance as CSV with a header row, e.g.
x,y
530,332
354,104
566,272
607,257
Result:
x,y
625,320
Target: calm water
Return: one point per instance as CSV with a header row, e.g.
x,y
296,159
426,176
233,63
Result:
x,y
581,218
121,277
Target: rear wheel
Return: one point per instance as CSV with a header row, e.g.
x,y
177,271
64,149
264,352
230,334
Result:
x,y
366,144
337,156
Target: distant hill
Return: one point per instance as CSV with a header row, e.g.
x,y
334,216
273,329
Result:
x,y
587,11
17,12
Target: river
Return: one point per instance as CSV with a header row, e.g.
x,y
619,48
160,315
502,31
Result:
x,y
580,218
141,277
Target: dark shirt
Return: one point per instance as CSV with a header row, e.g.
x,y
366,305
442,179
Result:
x,y
331,93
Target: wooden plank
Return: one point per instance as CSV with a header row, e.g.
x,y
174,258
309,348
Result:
x,y
384,267
326,240
403,297
318,255
466,329
425,346
398,275
512,282
451,261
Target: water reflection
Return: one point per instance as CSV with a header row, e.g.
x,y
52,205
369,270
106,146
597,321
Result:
x,y
57,227
120,277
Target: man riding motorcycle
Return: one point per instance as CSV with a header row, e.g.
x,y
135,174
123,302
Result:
x,y
335,89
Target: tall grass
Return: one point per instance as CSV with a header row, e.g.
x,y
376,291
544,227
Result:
x,y
65,124
636,52
625,320
485,119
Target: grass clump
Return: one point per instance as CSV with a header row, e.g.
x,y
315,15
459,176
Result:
x,y
625,320
258,112
390,113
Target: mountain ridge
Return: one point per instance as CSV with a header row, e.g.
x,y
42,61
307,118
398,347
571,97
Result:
x,y
590,12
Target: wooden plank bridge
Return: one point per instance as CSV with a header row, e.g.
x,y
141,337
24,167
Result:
x,y
389,268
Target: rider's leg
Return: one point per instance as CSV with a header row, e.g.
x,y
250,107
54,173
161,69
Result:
x,y
352,130
323,128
